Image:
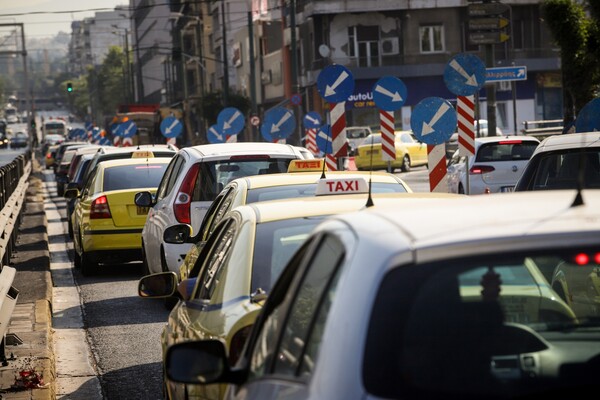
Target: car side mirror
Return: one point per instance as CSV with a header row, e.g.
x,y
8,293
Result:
x,y
162,284
199,362
178,234
143,199
71,193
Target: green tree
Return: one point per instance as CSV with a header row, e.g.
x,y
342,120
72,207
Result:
x,y
212,105
111,86
576,32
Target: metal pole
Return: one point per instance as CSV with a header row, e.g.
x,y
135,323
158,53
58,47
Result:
x,y
252,74
140,85
294,60
225,62
130,88
26,78
490,90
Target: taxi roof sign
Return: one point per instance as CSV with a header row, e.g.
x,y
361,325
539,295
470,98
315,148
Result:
x,y
333,186
142,154
315,165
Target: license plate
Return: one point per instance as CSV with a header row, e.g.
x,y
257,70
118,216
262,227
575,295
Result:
x,y
505,189
142,210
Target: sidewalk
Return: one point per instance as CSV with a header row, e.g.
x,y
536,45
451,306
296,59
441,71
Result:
x,y
32,318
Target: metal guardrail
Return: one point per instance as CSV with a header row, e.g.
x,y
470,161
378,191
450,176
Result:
x,y
13,187
543,128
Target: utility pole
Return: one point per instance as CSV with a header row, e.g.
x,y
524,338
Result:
x,y
254,110
294,60
225,62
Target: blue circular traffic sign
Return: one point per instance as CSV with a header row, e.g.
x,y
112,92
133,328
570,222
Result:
x,y
464,74
171,127
389,93
128,129
96,133
279,123
324,139
312,120
335,83
104,141
214,135
433,120
231,121
588,119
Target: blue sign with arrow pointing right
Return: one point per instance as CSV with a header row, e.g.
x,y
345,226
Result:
x,y
389,93
324,139
464,74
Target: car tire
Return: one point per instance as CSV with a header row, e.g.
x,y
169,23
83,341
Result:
x,y
88,267
76,259
145,269
405,163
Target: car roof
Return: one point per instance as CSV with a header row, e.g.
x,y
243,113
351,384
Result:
x,y
242,148
569,141
130,149
274,210
92,149
297,178
133,161
482,224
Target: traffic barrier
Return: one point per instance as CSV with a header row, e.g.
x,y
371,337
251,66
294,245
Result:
x,y
13,187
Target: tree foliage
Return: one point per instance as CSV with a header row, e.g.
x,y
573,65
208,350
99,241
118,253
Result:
x,y
212,104
575,27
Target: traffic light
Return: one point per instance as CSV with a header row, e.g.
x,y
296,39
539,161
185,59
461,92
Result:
x,y
69,87
33,123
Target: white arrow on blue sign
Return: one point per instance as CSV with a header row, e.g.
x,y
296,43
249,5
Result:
x,y
324,139
312,120
128,129
279,123
214,135
231,120
389,93
433,120
464,74
335,83
588,119
171,127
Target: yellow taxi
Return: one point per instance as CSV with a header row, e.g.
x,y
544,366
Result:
x,y
409,152
107,225
49,157
241,261
302,180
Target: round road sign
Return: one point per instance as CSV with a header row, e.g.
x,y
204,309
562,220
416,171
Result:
x,y
255,120
433,120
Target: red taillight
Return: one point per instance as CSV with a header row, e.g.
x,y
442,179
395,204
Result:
x,y
237,343
100,209
516,141
181,208
582,259
49,155
252,157
481,169
597,258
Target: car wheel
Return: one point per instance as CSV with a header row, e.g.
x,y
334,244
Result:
x,y
145,269
88,267
405,163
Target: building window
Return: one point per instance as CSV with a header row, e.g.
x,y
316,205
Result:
x,y
432,38
363,45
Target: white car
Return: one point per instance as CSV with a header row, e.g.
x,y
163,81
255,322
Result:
x,y
556,161
405,303
192,181
498,163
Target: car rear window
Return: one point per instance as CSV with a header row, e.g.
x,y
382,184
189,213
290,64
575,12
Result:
x,y
506,150
133,176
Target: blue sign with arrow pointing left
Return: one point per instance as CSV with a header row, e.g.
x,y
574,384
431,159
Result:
x,y
214,135
464,74
231,121
389,93
171,127
433,120
312,120
279,123
324,139
335,83
588,119
128,129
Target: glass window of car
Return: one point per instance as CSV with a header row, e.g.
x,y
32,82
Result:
x,y
170,176
371,139
506,150
215,213
560,170
133,176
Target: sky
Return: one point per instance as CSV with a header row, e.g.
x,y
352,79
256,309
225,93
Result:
x,y
51,16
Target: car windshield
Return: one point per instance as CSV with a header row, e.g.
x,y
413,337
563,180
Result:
x,y
274,245
431,317
560,169
214,175
506,150
133,176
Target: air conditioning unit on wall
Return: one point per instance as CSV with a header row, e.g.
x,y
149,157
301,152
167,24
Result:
x,y
390,46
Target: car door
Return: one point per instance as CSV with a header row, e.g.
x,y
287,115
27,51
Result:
x,y
155,222
283,352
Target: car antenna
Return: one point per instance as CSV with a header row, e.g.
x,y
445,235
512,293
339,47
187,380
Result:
x,y
325,156
578,201
370,198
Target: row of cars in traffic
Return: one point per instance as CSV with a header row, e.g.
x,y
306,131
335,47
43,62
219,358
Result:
x,y
320,284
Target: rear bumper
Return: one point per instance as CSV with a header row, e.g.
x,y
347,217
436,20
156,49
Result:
x,y
114,256
113,240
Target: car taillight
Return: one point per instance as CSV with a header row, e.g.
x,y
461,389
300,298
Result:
x,y
237,344
481,169
49,155
100,209
181,208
